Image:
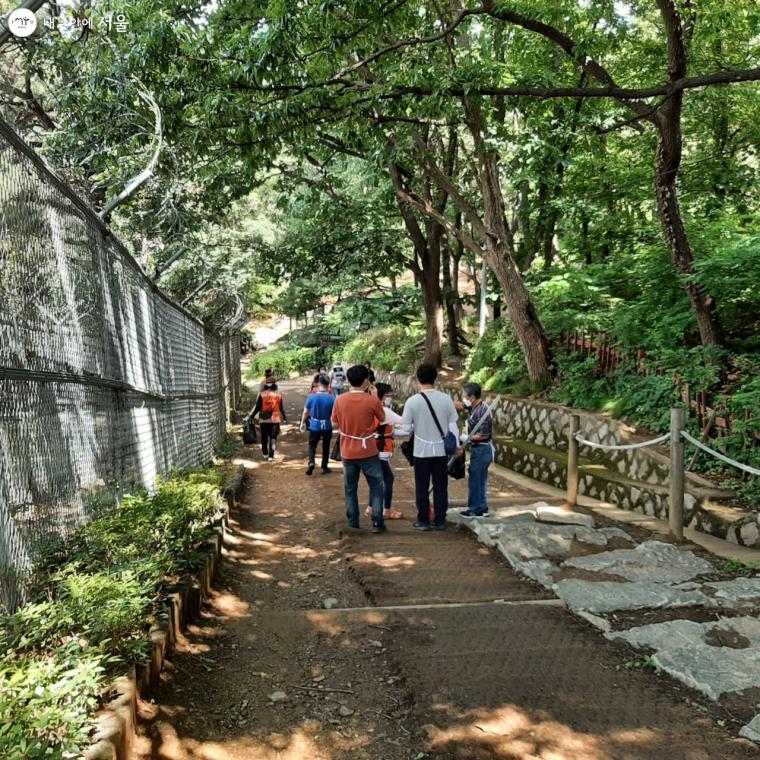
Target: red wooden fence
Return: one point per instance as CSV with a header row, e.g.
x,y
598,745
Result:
x,y
609,357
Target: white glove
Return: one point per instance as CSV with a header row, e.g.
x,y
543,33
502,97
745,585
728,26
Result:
x,y
464,440
302,428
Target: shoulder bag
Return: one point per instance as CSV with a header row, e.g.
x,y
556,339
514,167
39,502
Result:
x,y
449,439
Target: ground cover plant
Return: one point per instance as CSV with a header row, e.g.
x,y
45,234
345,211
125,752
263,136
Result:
x,y
91,600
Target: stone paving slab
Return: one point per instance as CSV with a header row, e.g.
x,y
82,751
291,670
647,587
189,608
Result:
x,y
608,596
558,515
737,591
653,561
540,570
752,730
715,658
617,533
734,670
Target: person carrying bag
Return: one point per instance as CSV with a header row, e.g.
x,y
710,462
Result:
x,y
432,416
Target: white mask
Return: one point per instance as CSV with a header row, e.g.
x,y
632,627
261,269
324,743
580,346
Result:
x,y
387,401
467,403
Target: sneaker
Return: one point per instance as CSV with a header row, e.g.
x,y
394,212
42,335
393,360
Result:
x,y
326,470
271,459
378,527
310,469
470,513
439,526
421,526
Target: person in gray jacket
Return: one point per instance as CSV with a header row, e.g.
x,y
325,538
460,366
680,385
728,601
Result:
x,y
430,459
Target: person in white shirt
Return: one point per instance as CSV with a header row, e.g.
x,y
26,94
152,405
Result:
x,y
338,379
432,415
390,429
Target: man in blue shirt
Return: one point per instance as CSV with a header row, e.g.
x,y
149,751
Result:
x,y
318,410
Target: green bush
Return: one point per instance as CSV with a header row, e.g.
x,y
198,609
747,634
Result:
x,y
496,361
391,347
646,400
285,362
92,598
46,703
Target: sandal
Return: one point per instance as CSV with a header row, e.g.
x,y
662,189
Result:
x,y
393,514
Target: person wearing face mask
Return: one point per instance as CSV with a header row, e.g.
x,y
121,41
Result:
x,y
358,414
390,428
481,456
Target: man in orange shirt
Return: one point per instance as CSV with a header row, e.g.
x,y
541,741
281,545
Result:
x,y
358,414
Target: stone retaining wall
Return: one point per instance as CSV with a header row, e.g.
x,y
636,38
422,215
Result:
x,y
530,437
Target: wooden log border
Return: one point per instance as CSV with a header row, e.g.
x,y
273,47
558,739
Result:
x,y
117,721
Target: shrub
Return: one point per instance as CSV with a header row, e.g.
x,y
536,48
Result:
x,y
391,347
92,596
496,361
285,362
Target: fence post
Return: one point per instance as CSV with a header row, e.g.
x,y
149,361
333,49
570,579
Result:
x,y
677,476
572,460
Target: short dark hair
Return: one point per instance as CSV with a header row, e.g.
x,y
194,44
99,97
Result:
x,y
357,375
368,363
268,372
426,374
383,389
472,389
323,380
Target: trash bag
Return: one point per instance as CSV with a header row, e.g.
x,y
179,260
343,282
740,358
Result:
x,y
249,431
335,456
407,449
457,467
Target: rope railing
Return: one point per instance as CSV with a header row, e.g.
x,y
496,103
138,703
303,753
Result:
x,y
676,437
718,455
622,447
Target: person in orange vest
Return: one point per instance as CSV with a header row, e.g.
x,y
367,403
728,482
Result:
x,y
270,408
389,429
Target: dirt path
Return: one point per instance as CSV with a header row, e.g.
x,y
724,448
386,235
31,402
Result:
x,y
415,661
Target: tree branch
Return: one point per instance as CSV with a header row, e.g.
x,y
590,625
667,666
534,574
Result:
x,y
624,94
147,172
429,210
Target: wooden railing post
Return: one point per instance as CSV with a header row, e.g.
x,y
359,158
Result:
x,y
677,475
572,460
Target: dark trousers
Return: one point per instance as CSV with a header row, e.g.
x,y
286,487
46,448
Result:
x,y
315,436
388,479
425,470
269,433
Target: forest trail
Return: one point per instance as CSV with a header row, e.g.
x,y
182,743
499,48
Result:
x,y
415,660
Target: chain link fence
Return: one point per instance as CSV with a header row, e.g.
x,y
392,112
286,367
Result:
x,y
104,381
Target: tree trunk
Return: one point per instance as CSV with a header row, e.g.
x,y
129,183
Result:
x,y
520,308
450,296
522,313
432,301
671,221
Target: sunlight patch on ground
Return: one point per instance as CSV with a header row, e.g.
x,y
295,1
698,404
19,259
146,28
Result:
x,y
248,464
231,606
513,733
325,621
383,560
